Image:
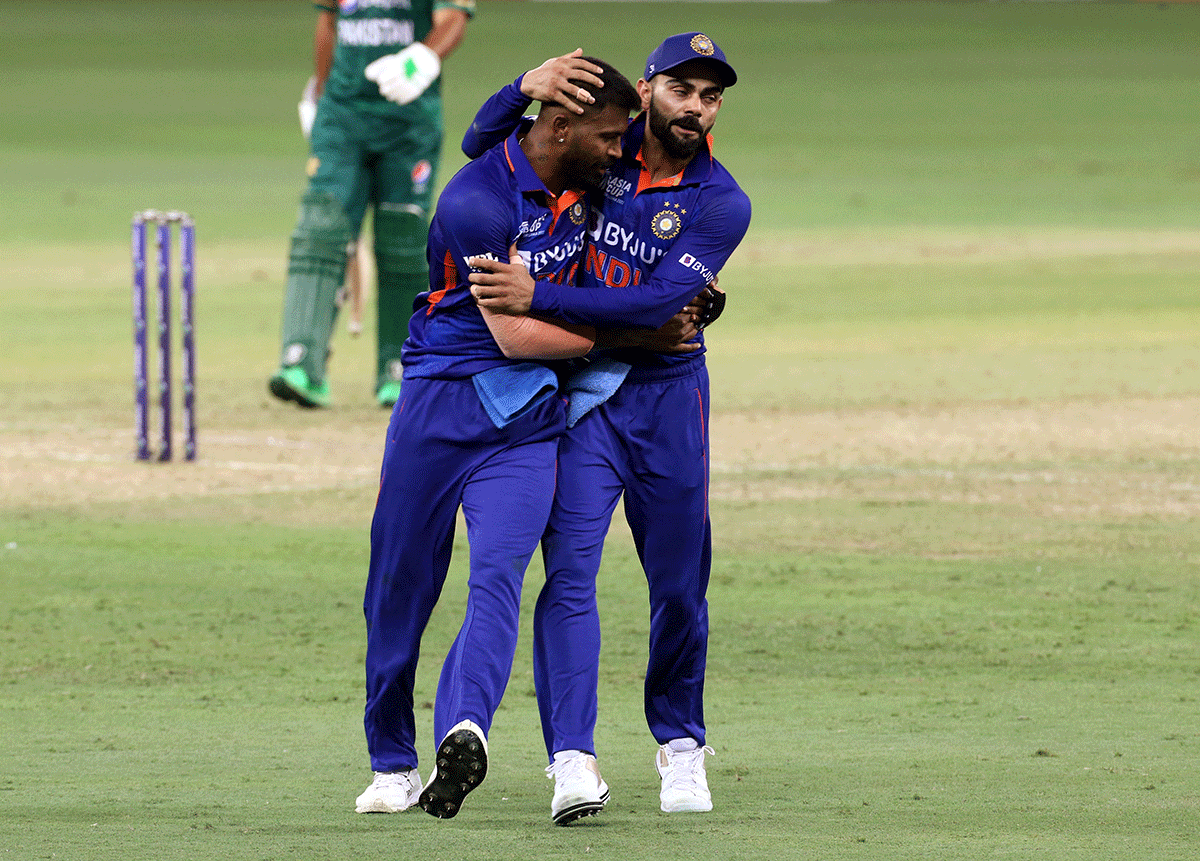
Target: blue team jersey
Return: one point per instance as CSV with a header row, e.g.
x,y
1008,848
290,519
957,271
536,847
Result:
x,y
492,203
654,247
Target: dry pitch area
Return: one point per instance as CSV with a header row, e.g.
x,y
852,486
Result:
x,y
1056,459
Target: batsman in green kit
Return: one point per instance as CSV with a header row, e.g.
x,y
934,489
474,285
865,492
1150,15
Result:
x,y
376,139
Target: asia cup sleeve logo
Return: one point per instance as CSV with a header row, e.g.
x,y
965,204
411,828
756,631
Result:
x,y
702,45
667,222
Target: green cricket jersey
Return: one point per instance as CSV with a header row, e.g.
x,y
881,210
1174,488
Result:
x,y
370,29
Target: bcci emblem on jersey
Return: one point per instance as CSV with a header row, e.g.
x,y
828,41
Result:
x,y
577,212
666,223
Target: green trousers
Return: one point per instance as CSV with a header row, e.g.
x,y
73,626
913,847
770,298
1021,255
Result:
x,y
358,162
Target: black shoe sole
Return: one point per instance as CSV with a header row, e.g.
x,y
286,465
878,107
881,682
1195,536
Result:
x,y
580,811
461,767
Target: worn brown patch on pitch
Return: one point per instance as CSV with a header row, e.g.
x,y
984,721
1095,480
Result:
x,y
1071,459
1112,458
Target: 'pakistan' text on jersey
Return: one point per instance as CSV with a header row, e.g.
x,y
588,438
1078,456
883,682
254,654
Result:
x,y
370,29
655,246
492,203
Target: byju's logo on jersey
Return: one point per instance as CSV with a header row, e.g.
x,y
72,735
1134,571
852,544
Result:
x,y
551,260
690,262
422,172
666,222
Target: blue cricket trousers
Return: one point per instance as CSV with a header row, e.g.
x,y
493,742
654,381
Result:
x,y
443,451
650,441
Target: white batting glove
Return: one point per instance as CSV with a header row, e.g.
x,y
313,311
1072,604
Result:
x,y
406,74
308,107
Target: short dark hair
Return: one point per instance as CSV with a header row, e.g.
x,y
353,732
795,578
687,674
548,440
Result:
x,y
617,90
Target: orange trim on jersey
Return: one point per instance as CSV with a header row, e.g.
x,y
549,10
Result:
x,y
644,177
449,279
507,158
556,204
671,181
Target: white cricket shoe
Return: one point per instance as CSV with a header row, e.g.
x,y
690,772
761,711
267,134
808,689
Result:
x,y
390,792
462,760
579,790
684,782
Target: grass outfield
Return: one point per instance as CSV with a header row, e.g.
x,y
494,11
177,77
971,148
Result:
x,y
954,599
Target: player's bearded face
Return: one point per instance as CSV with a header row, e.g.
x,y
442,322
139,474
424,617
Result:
x,y
587,168
668,131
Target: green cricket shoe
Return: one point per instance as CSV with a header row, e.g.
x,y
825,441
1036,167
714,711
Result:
x,y
292,384
388,393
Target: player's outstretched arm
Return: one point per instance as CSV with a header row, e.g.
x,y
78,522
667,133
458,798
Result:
x,y
496,120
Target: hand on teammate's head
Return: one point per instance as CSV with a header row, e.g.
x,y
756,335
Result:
x,y
559,80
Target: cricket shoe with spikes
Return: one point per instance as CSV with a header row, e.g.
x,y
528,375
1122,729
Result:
x,y
579,790
390,792
461,766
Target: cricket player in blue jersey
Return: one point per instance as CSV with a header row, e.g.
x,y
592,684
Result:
x,y
670,218
476,425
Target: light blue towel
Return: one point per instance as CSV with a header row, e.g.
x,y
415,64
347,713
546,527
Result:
x,y
592,386
508,391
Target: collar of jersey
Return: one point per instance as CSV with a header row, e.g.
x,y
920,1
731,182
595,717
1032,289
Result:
x,y
698,169
527,178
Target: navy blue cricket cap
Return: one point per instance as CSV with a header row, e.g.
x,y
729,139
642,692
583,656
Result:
x,y
685,47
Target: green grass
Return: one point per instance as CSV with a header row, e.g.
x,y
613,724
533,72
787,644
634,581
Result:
x,y
954,597
847,114
194,698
